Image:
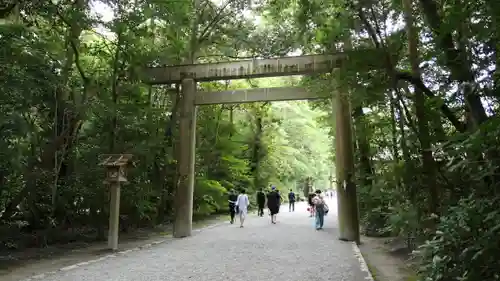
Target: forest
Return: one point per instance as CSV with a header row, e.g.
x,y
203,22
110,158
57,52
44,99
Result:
x,y
425,135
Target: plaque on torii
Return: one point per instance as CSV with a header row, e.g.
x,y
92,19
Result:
x,y
116,173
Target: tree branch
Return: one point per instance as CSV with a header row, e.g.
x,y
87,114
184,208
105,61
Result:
x,y
397,75
377,28
417,82
371,32
75,50
455,59
217,18
405,111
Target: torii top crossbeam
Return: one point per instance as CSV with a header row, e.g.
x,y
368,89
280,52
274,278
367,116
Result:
x,y
257,68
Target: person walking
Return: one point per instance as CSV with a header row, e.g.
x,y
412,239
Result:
x,y
321,208
279,197
273,204
310,203
232,204
291,201
242,203
261,201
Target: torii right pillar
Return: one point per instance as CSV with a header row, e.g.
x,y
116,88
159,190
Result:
x,y
347,201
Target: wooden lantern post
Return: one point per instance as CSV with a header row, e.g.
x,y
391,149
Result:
x,y
116,173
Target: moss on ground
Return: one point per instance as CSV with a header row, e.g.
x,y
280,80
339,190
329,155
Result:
x,y
412,278
373,271
377,276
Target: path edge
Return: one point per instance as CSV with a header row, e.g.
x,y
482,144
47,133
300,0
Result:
x,y
115,254
362,262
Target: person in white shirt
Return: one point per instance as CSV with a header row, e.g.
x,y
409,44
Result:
x,y
242,203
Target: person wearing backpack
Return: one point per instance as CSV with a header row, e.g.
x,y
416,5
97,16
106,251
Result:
x,y
291,201
321,209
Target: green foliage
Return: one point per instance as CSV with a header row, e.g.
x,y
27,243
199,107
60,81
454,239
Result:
x,y
402,191
70,92
465,246
301,148
209,196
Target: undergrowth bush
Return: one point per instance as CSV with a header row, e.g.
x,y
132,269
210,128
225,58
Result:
x,y
466,246
209,197
375,206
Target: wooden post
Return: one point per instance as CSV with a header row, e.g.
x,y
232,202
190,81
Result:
x,y
187,133
116,173
114,215
347,203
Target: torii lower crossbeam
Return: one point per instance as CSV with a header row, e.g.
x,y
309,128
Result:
x,y
256,95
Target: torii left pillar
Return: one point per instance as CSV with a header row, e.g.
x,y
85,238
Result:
x,y
347,202
183,223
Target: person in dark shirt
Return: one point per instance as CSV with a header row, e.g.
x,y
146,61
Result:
x,y
261,201
279,198
291,201
273,204
232,207
311,205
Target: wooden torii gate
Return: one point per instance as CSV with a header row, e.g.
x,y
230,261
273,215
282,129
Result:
x,y
188,75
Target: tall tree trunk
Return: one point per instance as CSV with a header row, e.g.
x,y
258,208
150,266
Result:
x,y
456,60
114,94
112,145
428,163
231,120
214,157
363,147
257,150
167,174
66,126
401,126
437,124
63,98
494,11
394,131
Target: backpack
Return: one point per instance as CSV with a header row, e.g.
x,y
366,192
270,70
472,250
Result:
x,y
321,207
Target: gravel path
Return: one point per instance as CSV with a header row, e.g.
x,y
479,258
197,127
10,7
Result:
x,y
288,251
